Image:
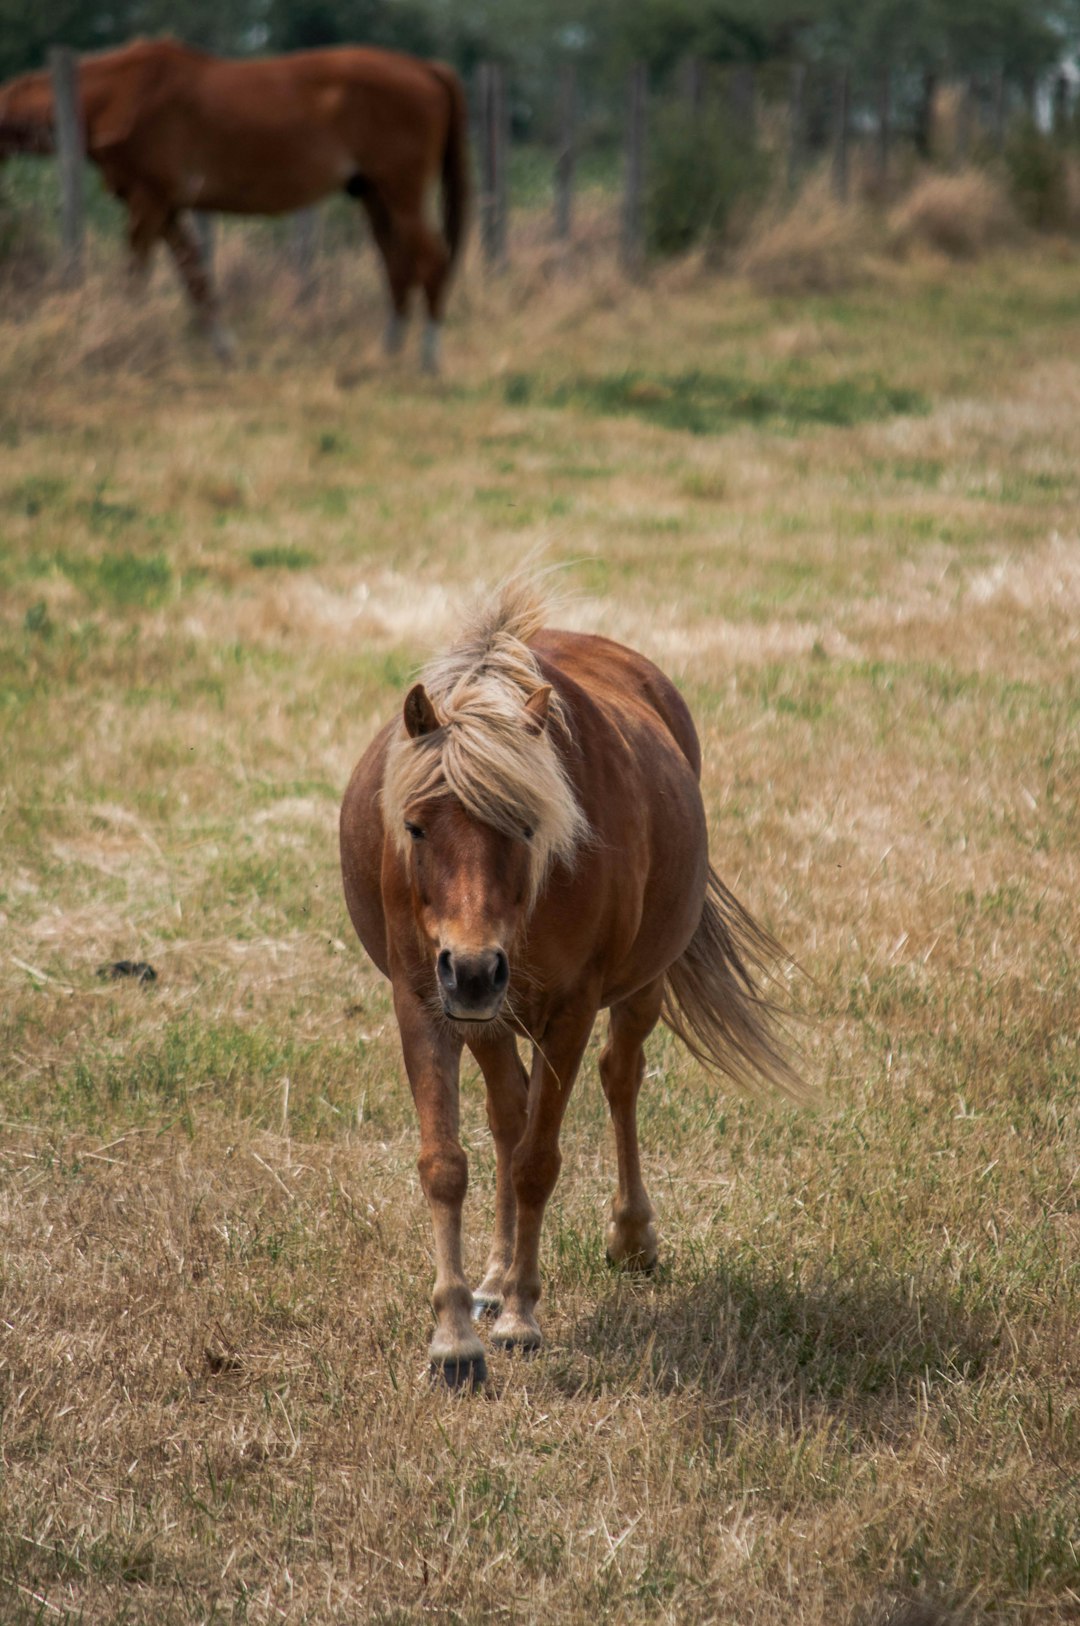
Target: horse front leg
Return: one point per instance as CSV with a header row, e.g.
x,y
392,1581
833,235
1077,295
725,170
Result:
x,y
187,253
147,216
432,1060
535,1166
507,1096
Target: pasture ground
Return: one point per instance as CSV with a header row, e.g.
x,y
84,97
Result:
x,y
848,526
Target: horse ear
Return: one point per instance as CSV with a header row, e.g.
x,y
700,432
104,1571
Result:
x,y
536,709
419,713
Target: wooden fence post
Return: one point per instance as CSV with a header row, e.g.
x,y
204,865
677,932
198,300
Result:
x,y
998,114
1060,121
632,240
884,132
692,83
71,151
965,108
926,118
796,123
493,141
742,99
840,150
304,228
567,154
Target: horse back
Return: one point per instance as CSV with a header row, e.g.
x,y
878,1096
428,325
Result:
x,y
623,681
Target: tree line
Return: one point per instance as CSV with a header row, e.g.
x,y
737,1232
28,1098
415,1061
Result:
x,y
1018,38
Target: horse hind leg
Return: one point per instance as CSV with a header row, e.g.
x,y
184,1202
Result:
x,y
413,254
631,1235
432,259
397,261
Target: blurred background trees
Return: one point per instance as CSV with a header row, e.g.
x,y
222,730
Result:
x,y
1021,37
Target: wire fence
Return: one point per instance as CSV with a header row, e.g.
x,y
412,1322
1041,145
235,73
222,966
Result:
x,y
805,114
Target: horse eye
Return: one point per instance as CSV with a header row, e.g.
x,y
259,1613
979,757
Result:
x,y
528,832
414,830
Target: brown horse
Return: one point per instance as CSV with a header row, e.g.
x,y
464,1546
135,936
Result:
x,y
523,847
173,128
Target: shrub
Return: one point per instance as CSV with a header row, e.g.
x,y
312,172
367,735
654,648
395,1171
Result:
x,y
25,253
1038,177
704,179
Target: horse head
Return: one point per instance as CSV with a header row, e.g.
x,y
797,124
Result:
x,y
26,117
18,137
472,881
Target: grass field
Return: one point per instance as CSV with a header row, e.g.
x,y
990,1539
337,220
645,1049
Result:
x,y
848,527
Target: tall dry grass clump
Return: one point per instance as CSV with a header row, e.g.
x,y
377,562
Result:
x,y
813,244
961,215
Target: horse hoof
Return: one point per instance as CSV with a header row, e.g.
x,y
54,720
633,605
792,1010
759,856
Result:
x,y
464,1372
393,337
517,1332
524,1349
223,345
635,1264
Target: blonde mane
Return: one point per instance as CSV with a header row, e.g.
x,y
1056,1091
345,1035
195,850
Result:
x,y
504,772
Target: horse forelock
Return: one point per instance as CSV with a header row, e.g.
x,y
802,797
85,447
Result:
x,y
485,753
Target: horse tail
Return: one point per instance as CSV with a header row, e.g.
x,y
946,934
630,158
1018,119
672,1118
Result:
x,y
713,1003
455,161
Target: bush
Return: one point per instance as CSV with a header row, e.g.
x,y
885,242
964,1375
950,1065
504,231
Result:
x,y
25,252
1038,177
704,180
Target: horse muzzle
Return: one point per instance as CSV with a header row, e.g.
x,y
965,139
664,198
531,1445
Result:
x,y
472,986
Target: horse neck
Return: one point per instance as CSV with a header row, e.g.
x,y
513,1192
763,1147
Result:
x,y
27,101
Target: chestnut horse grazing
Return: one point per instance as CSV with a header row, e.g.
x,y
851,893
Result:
x,y
524,846
172,128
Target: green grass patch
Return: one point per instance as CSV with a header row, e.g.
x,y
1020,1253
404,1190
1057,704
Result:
x,y
35,495
122,580
249,1071
281,557
128,582
701,403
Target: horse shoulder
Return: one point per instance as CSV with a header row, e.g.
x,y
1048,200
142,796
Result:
x,y
124,92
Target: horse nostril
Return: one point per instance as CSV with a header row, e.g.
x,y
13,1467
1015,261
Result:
x,y
472,982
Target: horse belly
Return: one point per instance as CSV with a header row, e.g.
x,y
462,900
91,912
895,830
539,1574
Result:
x,y
662,940
271,181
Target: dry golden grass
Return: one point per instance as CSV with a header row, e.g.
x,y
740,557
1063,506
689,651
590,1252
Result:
x,y
811,244
852,1392
961,214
